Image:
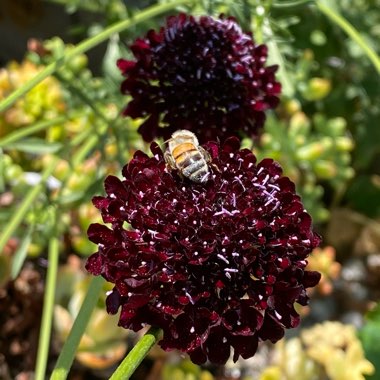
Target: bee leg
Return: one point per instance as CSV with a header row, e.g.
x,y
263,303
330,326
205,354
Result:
x,y
169,160
206,155
171,163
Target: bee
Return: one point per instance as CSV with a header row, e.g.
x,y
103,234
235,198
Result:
x,y
186,155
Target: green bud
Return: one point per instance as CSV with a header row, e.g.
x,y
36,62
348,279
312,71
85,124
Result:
x,y
336,126
348,173
291,106
55,133
299,124
13,172
78,63
325,169
266,139
344,144
310,152
317,89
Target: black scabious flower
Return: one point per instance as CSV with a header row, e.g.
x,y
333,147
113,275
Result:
x,y
198,72
214,265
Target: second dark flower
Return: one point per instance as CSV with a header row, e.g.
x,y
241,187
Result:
x,y
198,72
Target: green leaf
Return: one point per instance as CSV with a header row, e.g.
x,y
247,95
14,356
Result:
x,y
115,50
370,337
20,255
276,57
66,357
34,145
374,314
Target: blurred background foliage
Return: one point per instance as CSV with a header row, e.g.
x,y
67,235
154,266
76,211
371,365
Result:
x,y
59,142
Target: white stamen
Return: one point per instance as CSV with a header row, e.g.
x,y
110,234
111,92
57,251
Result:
x,y
190,298
221,257
274,186
265,179
278,315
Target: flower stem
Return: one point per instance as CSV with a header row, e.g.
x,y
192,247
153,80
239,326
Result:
x,y
289,4
30,129
136,355
87,45
47,314
350,31
69,349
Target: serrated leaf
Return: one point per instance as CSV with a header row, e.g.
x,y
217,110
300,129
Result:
x,y
114,51
276,58
34,145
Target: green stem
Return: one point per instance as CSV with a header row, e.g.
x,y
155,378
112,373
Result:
x,y
351,32
30,129
69,349
87,45
290,4
2,169
136,355
47,314
18,216
82,153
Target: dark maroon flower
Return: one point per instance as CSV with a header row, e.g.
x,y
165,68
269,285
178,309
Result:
x,y
213,265
198,72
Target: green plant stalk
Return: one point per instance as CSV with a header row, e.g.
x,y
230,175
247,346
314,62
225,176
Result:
x,y
2,168
290,4
80,138
69,349
81,154
351,32
29,130
18,216
47,313
87,45
130,363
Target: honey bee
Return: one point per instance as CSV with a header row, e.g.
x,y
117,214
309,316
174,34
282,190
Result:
x,y
186,155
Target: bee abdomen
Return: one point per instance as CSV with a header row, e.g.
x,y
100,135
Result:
x,y
190,162
200,176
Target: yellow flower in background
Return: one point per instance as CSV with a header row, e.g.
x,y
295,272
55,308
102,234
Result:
x,y
323,261
43,102
330,350
336,347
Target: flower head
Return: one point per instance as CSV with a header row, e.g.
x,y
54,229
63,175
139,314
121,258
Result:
x,y
214,265
198,72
